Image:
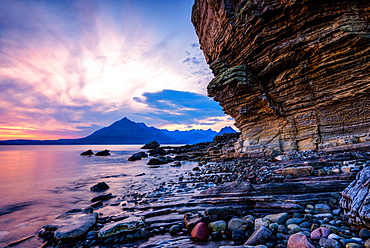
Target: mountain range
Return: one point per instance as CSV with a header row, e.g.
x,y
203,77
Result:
x,y
126,131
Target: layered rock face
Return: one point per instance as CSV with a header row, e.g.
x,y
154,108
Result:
x,y
356,199
294,74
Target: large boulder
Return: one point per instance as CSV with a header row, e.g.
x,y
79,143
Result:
x,y
103,153
137,156
356,199
100,187
151,145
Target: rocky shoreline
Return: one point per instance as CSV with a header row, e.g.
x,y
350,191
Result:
x,y
290,200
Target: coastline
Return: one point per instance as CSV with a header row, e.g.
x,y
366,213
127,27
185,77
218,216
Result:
x,y
243,187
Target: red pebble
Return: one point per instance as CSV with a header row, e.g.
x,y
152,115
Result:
x,y
200,232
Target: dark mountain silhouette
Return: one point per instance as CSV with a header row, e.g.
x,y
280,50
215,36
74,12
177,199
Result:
x,y
196,135
126,131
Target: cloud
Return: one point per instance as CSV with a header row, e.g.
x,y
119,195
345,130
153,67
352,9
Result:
x,y
67,67
179,107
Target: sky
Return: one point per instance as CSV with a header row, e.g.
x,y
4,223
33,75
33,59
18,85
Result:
x,y
70,67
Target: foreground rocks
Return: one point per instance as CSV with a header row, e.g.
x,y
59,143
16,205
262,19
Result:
x,y
267,202
356,199
282,71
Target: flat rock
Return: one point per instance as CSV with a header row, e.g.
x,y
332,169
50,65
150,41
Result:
x,y
70,226
129,224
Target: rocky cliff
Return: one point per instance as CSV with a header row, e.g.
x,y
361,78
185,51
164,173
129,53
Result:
x,y
294,74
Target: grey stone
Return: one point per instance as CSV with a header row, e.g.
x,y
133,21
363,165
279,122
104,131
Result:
x,y
329,243
72,226
259,236
322,208
239,224
279,218
294,221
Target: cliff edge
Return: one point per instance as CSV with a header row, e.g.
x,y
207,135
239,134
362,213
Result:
x,y
294,74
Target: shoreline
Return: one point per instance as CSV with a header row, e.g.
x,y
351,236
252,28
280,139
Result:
x,y
184,197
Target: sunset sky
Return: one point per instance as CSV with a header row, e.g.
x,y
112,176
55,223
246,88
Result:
x,y
70,67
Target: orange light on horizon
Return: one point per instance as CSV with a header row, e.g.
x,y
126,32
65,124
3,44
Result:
x,y
25,133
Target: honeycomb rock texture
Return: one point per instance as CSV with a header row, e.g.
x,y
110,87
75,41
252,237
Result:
x,y
294,74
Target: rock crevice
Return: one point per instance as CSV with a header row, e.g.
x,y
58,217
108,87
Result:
x,y
293,74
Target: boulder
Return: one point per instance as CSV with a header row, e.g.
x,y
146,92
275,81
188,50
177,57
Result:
x,y
157,152
200,232
88,152
260,236
299,240
99,187
157,161
279,218
102,197
217,226
240,224
127,225
72,226
151,145
137,156
103,153
355,197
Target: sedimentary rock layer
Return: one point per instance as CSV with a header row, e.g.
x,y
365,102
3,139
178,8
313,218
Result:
x,y
295,75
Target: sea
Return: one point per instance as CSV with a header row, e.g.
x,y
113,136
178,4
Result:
x,y
38,183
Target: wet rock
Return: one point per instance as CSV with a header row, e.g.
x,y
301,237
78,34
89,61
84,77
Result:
x,y
70,226
157,152
176,164
221,213
354,199
364,234
261,222
99,187
239,224
137,156
354,245
175,229
192,219
151,145
279,218
260,235
321,232
129,224
87,153
103,153
294,221
299,240
157,161
329,243
217,226
97,204
200,232
293,228
102,197
322,208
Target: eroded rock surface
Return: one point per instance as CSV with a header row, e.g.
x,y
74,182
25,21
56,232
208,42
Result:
x,y
293,74
356,199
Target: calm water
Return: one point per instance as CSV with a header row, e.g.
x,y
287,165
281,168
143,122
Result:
x,y
38,183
